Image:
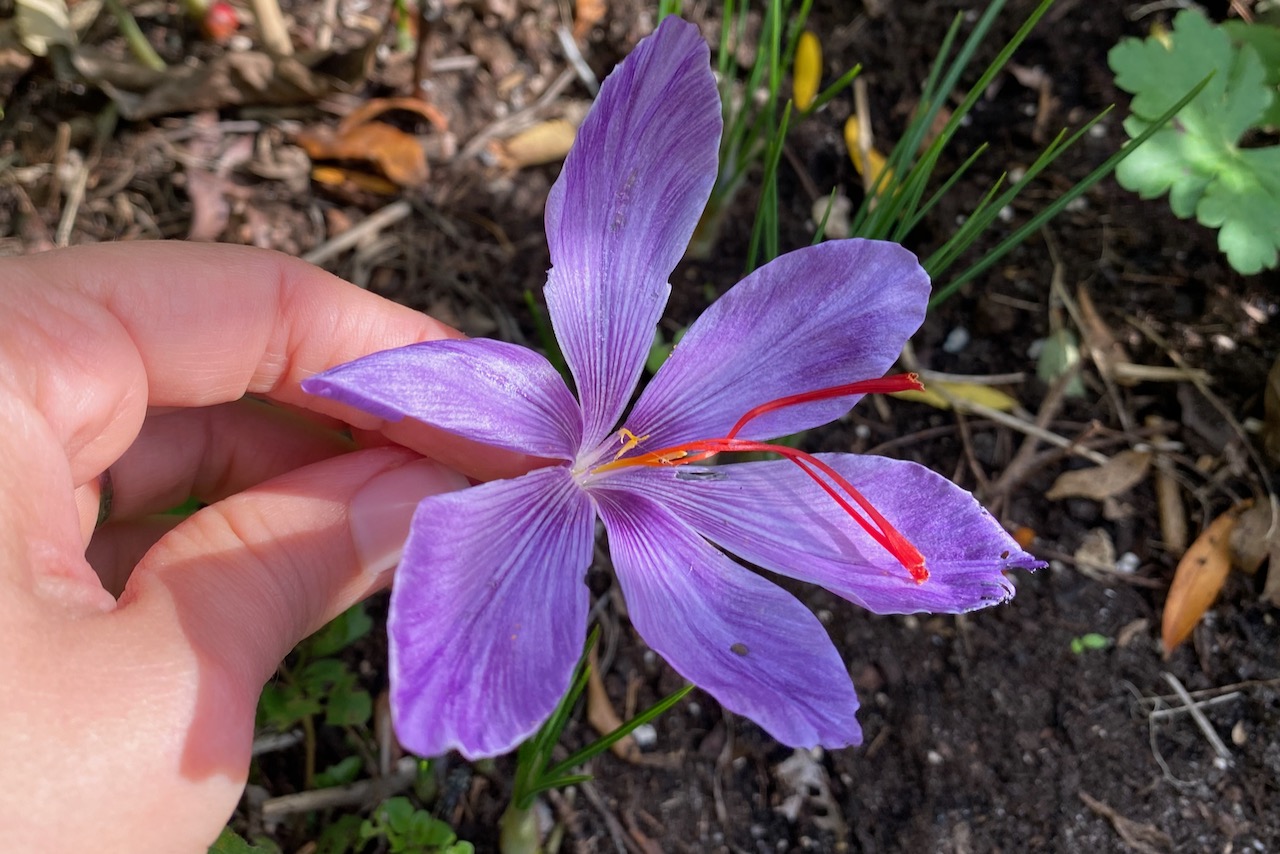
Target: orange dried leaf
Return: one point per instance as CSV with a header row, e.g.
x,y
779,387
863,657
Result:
x,y
371,109
586,14
349,180
601,715
1197,580
397,154
545,142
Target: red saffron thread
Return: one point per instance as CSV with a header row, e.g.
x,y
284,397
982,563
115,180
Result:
x,y
865,514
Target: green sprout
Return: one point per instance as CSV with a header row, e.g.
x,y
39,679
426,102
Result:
x,y
1091,641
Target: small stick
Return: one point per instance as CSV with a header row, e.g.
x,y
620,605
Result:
x,y
75,195
576,62
358,793
863,110
1161,714
1198,716
371,224
272,742
275,35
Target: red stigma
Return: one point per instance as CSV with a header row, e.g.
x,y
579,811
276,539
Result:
x,y
846,496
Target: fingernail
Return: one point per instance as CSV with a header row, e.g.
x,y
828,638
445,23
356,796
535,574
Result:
x,y
382,510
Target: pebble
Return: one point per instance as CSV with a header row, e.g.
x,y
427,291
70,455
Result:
x,y
1128,563
646,736
957,340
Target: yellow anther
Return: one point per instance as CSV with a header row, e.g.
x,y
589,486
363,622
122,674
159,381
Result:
x,y
629,441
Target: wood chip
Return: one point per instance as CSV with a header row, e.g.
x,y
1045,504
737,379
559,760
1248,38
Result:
x,y
1115,477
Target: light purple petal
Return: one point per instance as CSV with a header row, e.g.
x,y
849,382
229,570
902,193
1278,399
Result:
x,y
489,612
490,391
776,517
744,640
818,317
623,210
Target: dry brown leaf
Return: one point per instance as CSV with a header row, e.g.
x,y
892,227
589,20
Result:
x,y
1271,412
1096,555
1198,579
1249,543
586,14
1115,477
352,181
545,142
374,107
1107,352
397,155
603,718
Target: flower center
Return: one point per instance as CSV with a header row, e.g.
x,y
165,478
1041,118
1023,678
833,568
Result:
x,y
846,496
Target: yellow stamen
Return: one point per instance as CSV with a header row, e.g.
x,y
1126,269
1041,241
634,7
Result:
x,y
629,441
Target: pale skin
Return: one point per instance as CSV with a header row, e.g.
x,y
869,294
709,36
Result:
x,y
131,659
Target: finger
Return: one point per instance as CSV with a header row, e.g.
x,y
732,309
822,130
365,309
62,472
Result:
x,y
212,452
243,580
167,324
117,547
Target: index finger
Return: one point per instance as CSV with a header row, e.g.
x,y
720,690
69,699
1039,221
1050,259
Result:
x,y
94,335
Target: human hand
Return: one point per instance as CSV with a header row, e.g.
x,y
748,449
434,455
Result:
x,y
126,724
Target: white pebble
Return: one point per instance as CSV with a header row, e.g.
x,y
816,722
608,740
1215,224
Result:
x,y
957,340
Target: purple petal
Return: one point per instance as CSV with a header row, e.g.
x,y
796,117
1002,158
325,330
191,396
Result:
x,y
823,316
623,210
490,391
775,516
489,612
747,642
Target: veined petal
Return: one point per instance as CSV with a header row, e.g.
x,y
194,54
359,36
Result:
x,y
773,515
490,391
822,316
623,209
744,640
489,612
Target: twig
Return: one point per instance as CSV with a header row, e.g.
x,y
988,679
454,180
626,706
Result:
x,y
1161,714
576,62
517,120
611,822
1199,717
1035,431
973,379
863,112
272,742
370,225
275,35
359,793
75,195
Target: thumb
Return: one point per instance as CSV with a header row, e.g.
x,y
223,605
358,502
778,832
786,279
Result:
x,y
243,580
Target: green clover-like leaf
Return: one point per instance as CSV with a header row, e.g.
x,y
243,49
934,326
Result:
x,y
1197,159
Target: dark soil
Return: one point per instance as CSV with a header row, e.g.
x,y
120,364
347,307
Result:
x,y
984,732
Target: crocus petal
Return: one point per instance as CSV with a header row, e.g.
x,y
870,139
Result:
x,y
489,612
490,391
744,640
774,515
623,210
818,317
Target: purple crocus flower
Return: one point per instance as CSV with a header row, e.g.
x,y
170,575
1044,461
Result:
x,y
489,608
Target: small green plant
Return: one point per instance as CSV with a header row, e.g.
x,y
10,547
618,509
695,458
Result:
x,y
1090,642
230,842
409,830
315,684
1198,158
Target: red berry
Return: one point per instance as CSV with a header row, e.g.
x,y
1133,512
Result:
x,y
220,22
